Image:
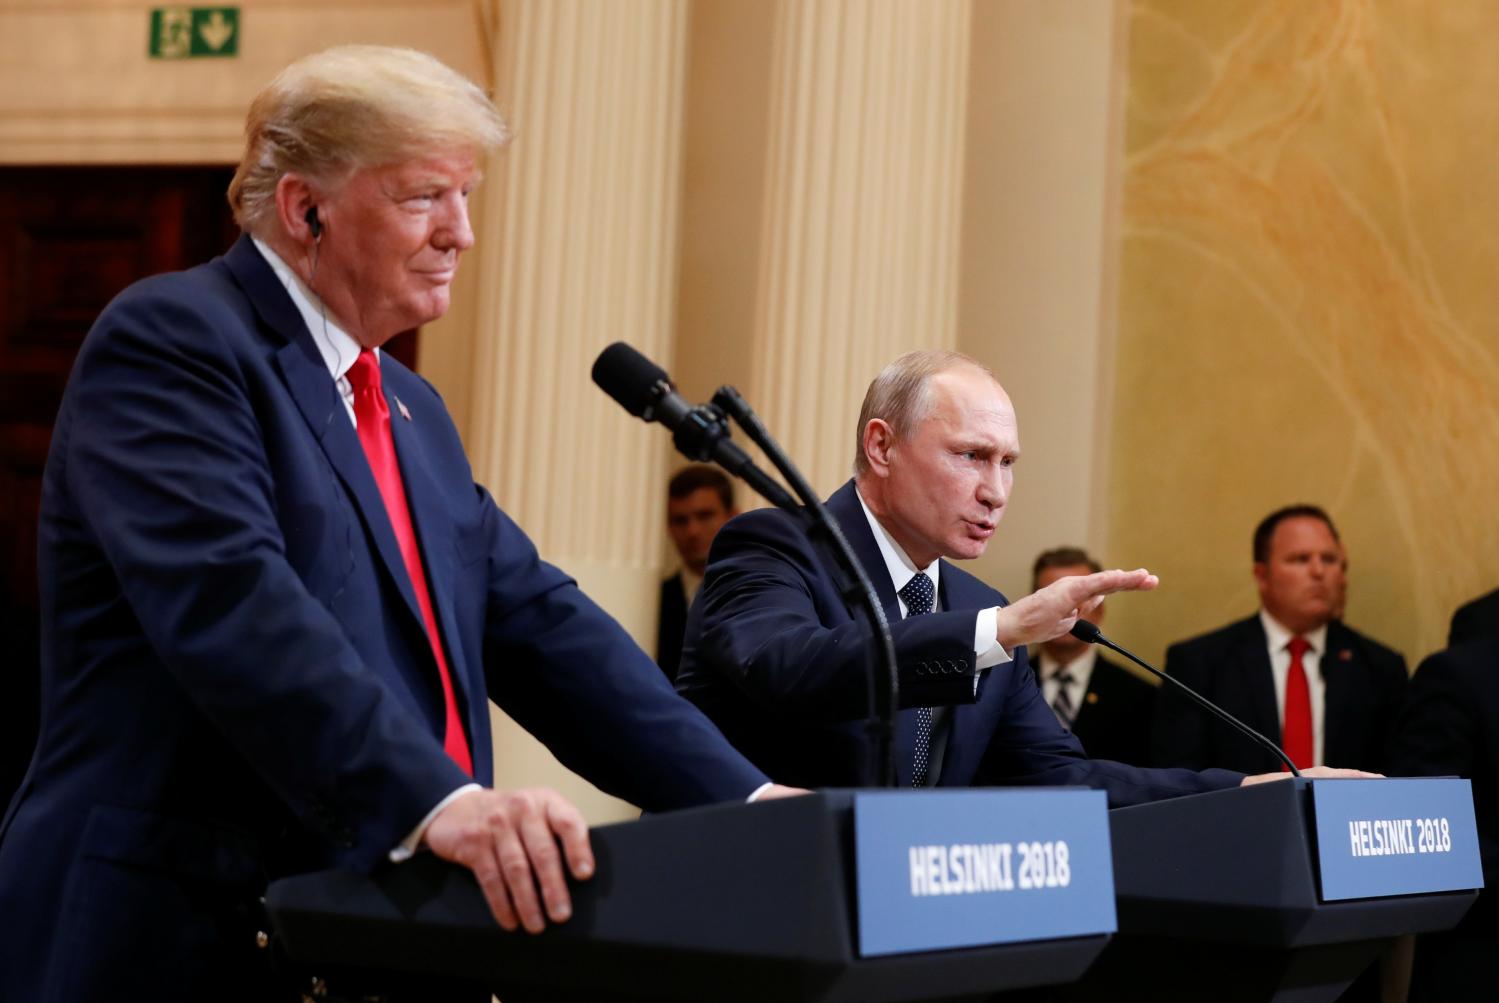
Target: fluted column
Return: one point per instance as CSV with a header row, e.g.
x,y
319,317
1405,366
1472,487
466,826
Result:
x,y
578,250
862,222
583,213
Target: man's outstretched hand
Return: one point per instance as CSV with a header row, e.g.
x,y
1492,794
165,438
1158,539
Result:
x,y
1051,612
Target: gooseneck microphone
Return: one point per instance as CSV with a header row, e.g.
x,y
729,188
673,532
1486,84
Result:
x,y
1085,630
701,433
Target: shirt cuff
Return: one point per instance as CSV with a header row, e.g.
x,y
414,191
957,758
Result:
x,y
408,845
758,791
987,651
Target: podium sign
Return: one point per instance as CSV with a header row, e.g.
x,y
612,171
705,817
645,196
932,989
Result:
x,y
945,869
1395,837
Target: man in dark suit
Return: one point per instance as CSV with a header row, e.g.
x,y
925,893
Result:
x,y
776,656
1292,672
699,500
1450,727
1105,705
274,599
1479,618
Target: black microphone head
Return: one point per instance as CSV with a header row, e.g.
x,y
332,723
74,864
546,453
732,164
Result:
x,y
1085,630
629,377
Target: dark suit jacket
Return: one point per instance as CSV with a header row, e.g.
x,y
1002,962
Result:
x,y
777,659
1450,727
671,623
1479,618
1231,667
236,681
1114,719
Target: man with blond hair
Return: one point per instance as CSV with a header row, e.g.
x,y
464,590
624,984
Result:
x,y
777,657
274,599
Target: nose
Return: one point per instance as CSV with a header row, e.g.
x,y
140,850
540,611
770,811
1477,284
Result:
x,y
994,486
454,230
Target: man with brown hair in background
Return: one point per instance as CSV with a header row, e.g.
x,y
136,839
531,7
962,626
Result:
x,y
699,500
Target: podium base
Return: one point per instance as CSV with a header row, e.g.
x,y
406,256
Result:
x,y
1167,968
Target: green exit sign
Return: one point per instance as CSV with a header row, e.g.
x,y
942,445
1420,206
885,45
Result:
x,y
194,32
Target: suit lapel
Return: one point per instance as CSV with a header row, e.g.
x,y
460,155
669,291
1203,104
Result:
x,y
1259,679
846,510
428,515
1339,666
306,377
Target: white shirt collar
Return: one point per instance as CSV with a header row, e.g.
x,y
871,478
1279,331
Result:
x,y
1080,668
337,347
902,569
1279,636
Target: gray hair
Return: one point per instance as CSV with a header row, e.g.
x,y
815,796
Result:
x,y
901,396
354,106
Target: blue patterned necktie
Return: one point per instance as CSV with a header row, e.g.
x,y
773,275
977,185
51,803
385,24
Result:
x,y
920,597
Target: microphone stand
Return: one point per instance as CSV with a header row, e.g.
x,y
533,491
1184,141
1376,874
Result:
x,y
1085,630
882,700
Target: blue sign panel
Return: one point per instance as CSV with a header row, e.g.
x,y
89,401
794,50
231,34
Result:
x,y
1395,837
943,869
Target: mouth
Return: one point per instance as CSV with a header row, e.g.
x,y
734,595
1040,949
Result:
x,y
980,530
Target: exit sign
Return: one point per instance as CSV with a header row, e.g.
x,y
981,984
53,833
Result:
x,y
194,32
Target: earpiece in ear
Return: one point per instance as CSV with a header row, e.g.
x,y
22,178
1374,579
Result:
x,y
314,224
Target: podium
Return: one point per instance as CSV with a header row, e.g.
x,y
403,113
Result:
x,y
728,902
1220,896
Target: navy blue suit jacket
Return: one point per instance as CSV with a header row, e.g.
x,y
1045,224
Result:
x,y
777,659
1231,667
236,680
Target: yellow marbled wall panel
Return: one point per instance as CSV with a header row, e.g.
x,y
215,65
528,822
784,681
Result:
x,y
1309,304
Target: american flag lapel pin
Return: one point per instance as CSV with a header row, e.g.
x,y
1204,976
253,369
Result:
x,y
401,407
1344,655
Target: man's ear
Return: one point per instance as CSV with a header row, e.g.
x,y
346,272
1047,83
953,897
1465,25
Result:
x,y
295,201
1261,576
879,444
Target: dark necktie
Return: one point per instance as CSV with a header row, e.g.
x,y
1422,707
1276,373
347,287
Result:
x,y
919,597
1296,734
373,418
1061,704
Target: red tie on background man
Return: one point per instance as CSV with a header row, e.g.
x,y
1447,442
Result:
x,y
1296,736
373,418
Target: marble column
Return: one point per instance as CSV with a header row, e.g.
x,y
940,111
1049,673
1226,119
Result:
x,y
579,231
861,223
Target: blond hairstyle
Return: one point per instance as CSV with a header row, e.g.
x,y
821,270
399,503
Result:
x,y
900,395
354,106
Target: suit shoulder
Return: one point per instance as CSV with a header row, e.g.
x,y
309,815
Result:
x,y
1113,674
761,523
958,579
1216,640
1371,649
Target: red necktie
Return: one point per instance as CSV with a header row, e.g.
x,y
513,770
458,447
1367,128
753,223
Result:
x,y
373,418
1297,734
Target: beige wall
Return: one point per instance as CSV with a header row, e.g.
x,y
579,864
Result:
x,y
1037,261
1308,304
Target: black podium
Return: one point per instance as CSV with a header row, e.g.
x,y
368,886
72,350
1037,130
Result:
x,y
1218,897
730,902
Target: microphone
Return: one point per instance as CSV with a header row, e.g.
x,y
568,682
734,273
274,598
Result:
x,y
699,432
1085,630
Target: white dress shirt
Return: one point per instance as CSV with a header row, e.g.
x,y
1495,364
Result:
x,y
1280,668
